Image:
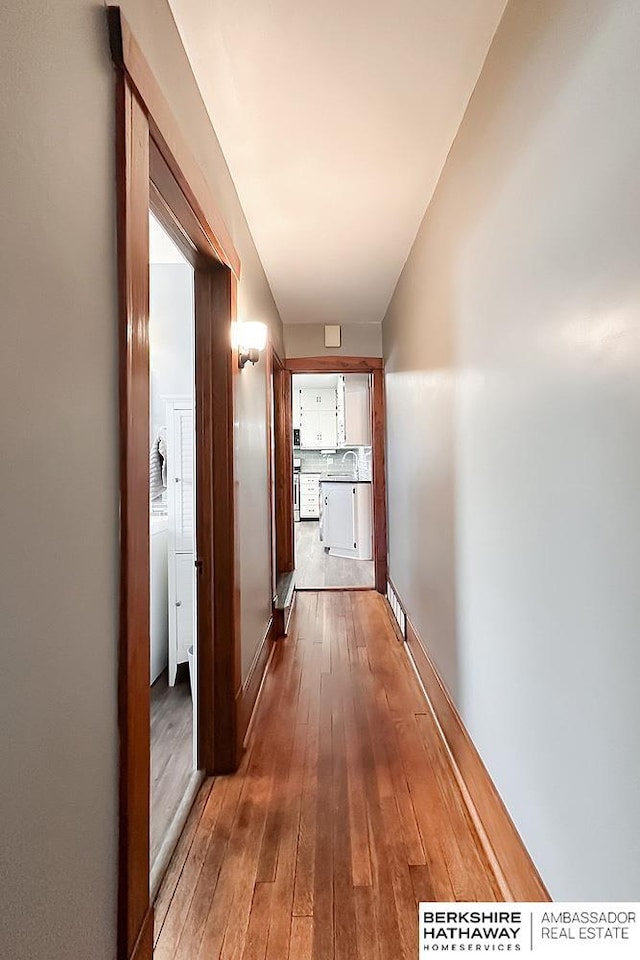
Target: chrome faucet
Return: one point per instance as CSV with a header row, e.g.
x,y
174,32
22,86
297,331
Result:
x,y
353,454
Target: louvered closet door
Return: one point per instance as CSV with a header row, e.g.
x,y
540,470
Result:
x,y
183,480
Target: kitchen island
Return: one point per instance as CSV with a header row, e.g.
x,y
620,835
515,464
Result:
x,y
346,517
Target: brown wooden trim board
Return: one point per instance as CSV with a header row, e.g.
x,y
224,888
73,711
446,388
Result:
x,y
515,871
143,947
132,157
126,53
156,168
380,545
334,364
283,467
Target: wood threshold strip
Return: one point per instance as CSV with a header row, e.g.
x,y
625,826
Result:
x,y
515,871
177,863
334,589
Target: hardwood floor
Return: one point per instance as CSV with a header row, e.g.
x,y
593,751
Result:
x,y
343,816
171,752
316,569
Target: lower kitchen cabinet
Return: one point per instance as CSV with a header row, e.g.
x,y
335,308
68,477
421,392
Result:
x,y
309,496
346,519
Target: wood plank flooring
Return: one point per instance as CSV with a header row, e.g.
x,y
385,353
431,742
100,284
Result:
x,y
171,753
343,816
316,568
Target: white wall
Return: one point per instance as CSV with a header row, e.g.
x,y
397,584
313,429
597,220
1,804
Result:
x,y
357,340
513,384
171,328
59,463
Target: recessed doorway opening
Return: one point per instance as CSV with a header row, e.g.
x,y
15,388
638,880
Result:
x,y
333,480
172,502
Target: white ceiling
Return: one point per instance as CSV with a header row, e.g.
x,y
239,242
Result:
x,y
335,118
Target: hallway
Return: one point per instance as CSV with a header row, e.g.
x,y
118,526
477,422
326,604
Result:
x,y
343,816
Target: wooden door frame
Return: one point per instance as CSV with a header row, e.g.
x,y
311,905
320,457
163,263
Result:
x,y
375,367
155,168
282,487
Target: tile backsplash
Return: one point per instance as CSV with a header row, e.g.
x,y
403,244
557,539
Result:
x,y
317,461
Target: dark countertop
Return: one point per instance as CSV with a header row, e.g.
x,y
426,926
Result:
x,y
341,480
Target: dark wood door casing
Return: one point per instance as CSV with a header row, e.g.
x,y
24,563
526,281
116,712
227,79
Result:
x,y
283,487
154,166
374,366
133,670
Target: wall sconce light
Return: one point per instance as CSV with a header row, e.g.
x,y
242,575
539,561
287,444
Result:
x,y
250,338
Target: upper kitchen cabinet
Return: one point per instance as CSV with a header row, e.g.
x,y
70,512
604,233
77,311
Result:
x,y
335,415
322,398
355,419
318,428
317,417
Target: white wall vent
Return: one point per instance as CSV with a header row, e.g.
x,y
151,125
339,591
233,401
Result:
x,y
397,610
332,337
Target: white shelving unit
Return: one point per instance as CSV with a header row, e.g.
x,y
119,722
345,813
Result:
x,y
181,539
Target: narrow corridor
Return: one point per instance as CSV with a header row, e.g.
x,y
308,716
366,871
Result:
x,y
343,816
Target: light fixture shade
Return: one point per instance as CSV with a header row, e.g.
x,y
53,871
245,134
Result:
x,y
251,335
250,338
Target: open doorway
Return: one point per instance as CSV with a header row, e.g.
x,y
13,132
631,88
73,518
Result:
x,y
172,498
333,480
330,454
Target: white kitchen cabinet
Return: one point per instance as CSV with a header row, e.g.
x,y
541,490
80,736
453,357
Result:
x,y
296,409
318,429
181,539
357,410
346,519
322,398
309,496
354,411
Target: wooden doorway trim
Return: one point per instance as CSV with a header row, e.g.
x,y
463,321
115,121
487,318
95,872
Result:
x,y
283,468
155,168
375,367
